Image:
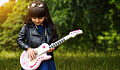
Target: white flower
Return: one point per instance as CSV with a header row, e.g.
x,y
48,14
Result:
x,y
41,5
33,5
28,7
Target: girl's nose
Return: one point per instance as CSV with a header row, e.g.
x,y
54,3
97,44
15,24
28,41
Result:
x,y
37,19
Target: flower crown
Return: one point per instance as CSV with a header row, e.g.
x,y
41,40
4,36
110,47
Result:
x,y
33,5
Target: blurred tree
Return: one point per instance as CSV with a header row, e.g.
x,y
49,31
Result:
x,y
11,0
12,26
5,9
110,40
92,16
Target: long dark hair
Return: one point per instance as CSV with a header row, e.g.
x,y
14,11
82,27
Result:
x,y
37,11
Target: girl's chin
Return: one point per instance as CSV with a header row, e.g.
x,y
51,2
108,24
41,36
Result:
x,y
38,23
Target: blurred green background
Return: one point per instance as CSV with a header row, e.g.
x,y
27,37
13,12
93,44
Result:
x,y
99,20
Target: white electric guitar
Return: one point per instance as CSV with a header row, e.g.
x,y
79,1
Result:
x,y
41,55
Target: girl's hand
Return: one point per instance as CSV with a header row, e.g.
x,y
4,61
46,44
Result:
x,y
51,49
31,53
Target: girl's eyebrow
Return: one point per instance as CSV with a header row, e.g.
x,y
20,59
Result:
x,y
37,17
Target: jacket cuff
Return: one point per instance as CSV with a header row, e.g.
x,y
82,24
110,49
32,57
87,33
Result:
x,y
25,47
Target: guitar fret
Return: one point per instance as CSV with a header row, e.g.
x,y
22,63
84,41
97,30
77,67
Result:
x,y
59,41
51,46
62,40
55,44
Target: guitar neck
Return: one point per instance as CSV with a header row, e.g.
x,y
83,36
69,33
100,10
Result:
x,y
53,45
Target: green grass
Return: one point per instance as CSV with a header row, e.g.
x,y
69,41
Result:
x,y
68,61
9,60
87,61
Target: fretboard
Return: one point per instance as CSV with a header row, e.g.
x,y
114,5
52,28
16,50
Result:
x,y
53,45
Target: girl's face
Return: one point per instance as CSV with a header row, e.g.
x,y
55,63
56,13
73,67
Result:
x,y
38,20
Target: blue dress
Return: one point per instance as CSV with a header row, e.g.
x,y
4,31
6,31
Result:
x,y
48,64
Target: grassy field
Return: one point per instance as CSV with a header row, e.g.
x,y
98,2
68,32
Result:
x,y
67,61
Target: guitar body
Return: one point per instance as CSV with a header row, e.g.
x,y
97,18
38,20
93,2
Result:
x,y
28,64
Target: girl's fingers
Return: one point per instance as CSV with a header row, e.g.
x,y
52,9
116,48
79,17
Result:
x,y
51,49
48,50
28,56
35,52
31,54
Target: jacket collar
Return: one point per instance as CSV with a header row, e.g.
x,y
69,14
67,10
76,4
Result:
x,y
50,31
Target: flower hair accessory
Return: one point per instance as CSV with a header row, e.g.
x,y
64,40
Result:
x,y
33,5
41,5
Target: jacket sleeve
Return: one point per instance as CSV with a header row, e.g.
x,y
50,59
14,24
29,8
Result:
x,y
21,38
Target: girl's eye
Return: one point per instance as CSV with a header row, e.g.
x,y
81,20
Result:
x,y
39,17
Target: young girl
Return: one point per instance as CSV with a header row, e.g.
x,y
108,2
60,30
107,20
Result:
x,y
32,36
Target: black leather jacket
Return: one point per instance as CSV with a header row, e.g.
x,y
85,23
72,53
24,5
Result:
x,y
30,37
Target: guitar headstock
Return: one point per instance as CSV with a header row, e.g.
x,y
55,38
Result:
x,y
75,33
